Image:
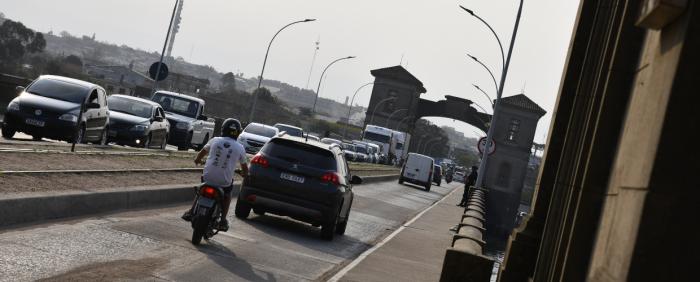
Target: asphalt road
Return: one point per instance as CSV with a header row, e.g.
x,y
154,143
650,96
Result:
x,y
154,245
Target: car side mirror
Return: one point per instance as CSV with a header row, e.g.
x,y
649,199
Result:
x,y
92,105
202,117
355,180
19,89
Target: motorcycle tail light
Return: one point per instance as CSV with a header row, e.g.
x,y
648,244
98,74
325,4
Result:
x,y
260,160
331,177
208,192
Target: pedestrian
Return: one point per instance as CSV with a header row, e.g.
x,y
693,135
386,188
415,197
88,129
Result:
x,y
468,182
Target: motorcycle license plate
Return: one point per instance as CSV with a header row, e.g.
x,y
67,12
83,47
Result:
x,y
292,177
34,122
205,202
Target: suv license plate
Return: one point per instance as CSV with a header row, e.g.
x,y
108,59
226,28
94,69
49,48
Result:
x,y
292,177
34,122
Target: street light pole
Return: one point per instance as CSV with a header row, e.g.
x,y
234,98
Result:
x,y
165,46
345,130
487,69
371,119
485,94
262,72
503,59
425,147
398,125
494,118
321,79
391,115
480,107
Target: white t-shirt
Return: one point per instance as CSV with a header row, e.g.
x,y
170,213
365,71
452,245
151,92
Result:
x,y
224,156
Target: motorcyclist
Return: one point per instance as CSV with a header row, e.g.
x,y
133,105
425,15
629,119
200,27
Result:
x,y
224,155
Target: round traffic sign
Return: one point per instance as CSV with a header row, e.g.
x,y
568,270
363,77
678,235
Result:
x,y
482,146
153,71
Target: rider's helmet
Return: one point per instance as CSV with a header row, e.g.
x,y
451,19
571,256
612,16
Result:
x,y
231,128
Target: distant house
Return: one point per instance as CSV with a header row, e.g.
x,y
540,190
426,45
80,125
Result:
x,y
121,80
185,84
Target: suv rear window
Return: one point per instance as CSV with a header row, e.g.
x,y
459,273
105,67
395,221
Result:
x,y
301,153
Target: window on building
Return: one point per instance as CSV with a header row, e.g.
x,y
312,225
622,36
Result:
x,y
513,129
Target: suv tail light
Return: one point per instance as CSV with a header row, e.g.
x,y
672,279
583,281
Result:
x,y
260,160
331,177
208,192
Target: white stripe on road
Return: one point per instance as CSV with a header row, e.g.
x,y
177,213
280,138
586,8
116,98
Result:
x,y
364,255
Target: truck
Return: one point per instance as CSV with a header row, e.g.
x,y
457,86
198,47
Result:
x,y
401,146
189,127
383,137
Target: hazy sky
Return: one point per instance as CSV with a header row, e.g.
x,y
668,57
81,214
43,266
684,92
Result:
x,y
433,37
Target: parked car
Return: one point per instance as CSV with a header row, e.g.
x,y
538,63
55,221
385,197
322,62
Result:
x,y
137,122
437,175
190,128
418,169
50,107
290,129
362,151
305,180
349,150
255,136
329,141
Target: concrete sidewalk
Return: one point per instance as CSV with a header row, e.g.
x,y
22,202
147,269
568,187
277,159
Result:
x,y
416,253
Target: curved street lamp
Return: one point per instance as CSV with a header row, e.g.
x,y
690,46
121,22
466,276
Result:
x,y
496,109
503,58
255,95
480,107
321,79
485,94
425,146
371,119
420,141
391,115
398,124
345,130
488,70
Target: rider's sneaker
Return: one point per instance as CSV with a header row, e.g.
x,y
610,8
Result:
x,y
223,225
187,216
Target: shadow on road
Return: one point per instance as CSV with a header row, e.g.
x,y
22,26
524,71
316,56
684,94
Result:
x,y
228,260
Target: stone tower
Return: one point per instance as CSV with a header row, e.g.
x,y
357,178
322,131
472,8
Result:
x,y
405,89
507,167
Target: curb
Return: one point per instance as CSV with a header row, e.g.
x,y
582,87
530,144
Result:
x,y
39,208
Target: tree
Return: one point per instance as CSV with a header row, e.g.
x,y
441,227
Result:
x,y
16,40
264,95
73,60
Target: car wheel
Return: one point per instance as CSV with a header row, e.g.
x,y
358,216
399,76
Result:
x,y
400,180
242,209
328,228
259,212
7,131
147,143
204,142
427,187
340,229
103,139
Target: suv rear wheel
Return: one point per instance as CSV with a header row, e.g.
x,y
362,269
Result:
x,y
242,209
7,131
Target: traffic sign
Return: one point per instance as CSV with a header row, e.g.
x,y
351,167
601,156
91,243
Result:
x,y
482,146
153,70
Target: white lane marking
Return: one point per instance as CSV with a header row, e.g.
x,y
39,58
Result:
x,y
364,255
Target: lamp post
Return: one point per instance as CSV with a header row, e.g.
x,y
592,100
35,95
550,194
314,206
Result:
x,y
391,115
425,146
165,45
495,84
485,94
494,118
262,72
345,130
500,46
371,118
480,107
398,124
321,79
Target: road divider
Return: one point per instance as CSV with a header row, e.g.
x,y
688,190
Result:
x,y
33,209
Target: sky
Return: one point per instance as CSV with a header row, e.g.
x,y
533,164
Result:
x,y
429,38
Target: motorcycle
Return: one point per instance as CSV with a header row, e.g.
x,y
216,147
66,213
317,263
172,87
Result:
x,y
448,177
207,212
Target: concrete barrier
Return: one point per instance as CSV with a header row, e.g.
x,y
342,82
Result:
x,y
464,260
28,210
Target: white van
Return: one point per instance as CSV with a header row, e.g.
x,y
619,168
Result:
x,y
418,169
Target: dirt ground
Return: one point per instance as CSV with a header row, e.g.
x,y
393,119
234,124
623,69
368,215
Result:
x,y
53,161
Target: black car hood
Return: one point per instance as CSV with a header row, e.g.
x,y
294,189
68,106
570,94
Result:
x,y
45,103
177,117
119,117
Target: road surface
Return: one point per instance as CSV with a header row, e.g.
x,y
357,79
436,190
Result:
x,y
154,244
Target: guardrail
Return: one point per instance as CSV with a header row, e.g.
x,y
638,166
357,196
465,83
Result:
x,y
465,260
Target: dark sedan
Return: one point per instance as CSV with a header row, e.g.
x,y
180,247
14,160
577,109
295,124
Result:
x,y
137,122
50,107
305,180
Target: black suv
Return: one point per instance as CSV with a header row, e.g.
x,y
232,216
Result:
x,y
50,107
305,180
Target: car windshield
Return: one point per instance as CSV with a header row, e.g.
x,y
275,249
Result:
x,y
59,90
129,106
399,146
348,147
261,130
377,137
177,105
361,149
290,130
301,153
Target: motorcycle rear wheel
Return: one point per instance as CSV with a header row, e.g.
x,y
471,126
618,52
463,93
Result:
x,y
199,228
